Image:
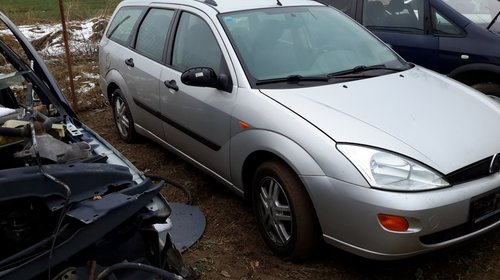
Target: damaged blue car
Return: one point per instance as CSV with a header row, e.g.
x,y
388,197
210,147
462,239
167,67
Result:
x,y
70,204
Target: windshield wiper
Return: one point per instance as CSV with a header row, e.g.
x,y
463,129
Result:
x,y
293,79
493,21
363,68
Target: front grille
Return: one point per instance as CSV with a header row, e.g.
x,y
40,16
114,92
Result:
x,y
458,231
471,172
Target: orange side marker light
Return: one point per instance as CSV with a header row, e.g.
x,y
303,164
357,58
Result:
x,y
244,125
394,223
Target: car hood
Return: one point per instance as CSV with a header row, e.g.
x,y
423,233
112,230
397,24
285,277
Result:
x,y
42,76
418,113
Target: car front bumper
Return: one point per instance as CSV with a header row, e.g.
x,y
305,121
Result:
x,y
348,216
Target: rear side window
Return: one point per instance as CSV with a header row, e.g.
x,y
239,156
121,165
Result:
x,y
120,28
153,32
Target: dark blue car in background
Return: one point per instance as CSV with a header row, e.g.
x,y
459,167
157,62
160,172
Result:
x,y
459,38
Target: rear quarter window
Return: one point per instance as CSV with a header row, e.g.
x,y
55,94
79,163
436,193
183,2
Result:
x,y
121,27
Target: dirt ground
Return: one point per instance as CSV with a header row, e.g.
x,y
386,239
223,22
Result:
x,y
231,247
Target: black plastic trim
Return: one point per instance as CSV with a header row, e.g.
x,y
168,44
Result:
x,y
470,172
458,231
183,129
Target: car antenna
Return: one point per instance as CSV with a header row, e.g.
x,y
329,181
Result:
x,y
209,2
279,3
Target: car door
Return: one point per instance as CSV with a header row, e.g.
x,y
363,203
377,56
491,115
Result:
x,y
456,48
144,66
405,26
197,119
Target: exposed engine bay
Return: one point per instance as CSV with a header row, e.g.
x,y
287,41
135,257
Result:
x,y
63,200
31,134
70,204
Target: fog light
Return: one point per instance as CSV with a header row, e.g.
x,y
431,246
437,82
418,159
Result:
x,y
394,223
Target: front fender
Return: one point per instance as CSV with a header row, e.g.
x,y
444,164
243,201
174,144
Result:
x,y
244,144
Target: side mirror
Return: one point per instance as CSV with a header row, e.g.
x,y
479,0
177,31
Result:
x,y
206,77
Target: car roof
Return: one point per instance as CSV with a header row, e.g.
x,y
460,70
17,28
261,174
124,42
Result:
x,y
223,6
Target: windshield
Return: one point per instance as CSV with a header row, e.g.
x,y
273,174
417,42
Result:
x,y
304,42
480,12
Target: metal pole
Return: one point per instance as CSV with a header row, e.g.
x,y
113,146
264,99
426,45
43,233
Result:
x,y
68,56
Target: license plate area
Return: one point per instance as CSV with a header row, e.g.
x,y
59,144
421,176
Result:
x,y
485,205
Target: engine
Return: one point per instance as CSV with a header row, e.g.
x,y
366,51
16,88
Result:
x,y
36,135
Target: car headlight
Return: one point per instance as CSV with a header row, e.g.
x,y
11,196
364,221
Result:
x,y
388,171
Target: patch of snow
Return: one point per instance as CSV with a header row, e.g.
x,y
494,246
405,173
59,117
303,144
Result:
x,y
79,32
86,87
48,41
91,75
33,32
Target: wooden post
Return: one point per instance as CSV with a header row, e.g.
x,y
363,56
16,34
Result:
x,y
68,56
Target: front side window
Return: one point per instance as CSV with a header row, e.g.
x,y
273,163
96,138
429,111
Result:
x,y
120,29
396,15
195,45
152,34
302,41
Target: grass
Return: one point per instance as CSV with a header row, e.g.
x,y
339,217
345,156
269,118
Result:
x,y
47,11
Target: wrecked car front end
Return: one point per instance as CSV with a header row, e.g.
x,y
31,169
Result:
x,y
70,204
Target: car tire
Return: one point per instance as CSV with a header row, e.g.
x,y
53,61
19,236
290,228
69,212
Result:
x,y
285,215
123,118
488,88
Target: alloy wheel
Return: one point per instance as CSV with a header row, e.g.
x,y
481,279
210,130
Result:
x,y
275,210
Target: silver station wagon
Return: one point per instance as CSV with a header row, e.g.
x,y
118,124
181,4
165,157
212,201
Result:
x,y
296,107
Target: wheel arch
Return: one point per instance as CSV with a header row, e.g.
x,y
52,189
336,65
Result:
x,y
109,91
251,148
476,73
253,161
115,81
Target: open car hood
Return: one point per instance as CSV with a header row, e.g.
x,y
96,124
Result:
x,y
52,92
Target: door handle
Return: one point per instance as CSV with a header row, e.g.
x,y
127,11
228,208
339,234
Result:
x,y
171,84
129,62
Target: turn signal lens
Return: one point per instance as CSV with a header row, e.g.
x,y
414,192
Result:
x,y
394,223
244,125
